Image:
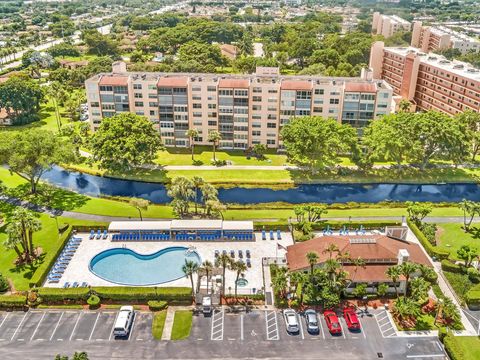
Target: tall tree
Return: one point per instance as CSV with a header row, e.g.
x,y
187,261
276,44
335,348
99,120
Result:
x,y
407,269
189,269
182,191
471,120
99,44
223,261
139,204
31,153
312,258
393,272
418,211
124,141
198,182
467,253
192,135
214,137
22,224
315,141
470,209
240,268
207,268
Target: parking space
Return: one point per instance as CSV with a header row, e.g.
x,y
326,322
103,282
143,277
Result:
x,y
218,317
254,326
272,325
385,326
58,325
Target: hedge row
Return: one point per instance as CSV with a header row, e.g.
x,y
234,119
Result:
x,y
453,349
143,294
155,305
472,297
13,301
250,296
42,271
352,225
452,267
56,295
429,248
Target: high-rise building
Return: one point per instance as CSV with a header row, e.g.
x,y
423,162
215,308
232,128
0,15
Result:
x,y
428,80
387,25
435,38
245,109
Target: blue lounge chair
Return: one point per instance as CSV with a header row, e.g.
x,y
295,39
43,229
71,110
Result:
x,y
249,264
75,284
247,253
92,234
271,235
99,234
53,280
74,241
279,235
84,284
66,285
54,277
240,253
105,234
264,236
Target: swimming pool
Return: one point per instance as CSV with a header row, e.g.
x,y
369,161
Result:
x,y
124,266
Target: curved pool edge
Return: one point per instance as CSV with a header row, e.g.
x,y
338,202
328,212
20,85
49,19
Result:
x,y
158,253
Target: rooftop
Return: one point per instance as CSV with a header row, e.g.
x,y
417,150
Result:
x,y
457,67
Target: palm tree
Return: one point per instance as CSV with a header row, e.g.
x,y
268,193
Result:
x,y
239,267
358,262
297,279
190,268
13,240
330,249
139,204
197,183
192,134
393,272
331,266
214,137
405,309
207,268
280,281
224,261
312,258
209,194
407,269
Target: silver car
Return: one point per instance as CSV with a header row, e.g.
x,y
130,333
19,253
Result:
x,y
311,320
291,321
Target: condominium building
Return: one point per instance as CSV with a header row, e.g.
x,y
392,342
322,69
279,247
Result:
x,y
245,109
436,38
428,80
387,25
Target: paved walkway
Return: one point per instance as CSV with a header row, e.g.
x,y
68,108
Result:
x,y
167,328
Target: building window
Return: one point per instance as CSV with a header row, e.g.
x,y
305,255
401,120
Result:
x,y
334,101
138,103
137,86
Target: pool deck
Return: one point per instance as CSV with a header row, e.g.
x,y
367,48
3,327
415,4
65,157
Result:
x,y
78,271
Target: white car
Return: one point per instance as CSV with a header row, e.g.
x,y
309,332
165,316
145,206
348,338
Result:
x,y
124,321
291,321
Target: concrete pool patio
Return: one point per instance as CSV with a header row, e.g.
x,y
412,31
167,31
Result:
x,y
78,267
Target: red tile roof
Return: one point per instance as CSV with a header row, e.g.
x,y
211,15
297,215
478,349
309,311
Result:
x,y
234,83
178,81
296,85
382,247
360,87
114,80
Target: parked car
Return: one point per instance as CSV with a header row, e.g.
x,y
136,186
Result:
x,y
124,321
332,322
291,321
311,319
351,318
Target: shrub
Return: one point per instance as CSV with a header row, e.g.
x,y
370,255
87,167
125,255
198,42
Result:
x,y
58,295
144,294
452,267
155,305
473,275
42,270
13,301
33,299
250,296
429,248
472,297
452,348
93,302
429,230
4,286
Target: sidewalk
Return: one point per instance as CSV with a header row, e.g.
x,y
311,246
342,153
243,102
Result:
x,y
167,328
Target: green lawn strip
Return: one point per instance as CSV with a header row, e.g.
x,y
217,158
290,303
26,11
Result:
x,y
53,307
47,239
182,324
469,347
452,237
158,324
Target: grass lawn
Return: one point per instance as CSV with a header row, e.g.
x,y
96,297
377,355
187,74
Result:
x,y
158,323
182,324
469,346
46,239
452,237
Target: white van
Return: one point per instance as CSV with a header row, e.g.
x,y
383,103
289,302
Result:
x,y
123,321
207,305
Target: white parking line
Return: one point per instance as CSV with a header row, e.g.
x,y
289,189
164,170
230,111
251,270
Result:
x,y
94,325
19,325
362,328
75,326
241,327
301,327
426,356
130,335
321,326
217,326
5,318
56,326
341,327
36,328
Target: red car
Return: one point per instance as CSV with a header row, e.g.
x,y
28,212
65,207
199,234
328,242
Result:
x,y
332,322
351,318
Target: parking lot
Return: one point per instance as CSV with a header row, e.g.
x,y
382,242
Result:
x,y
69,325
